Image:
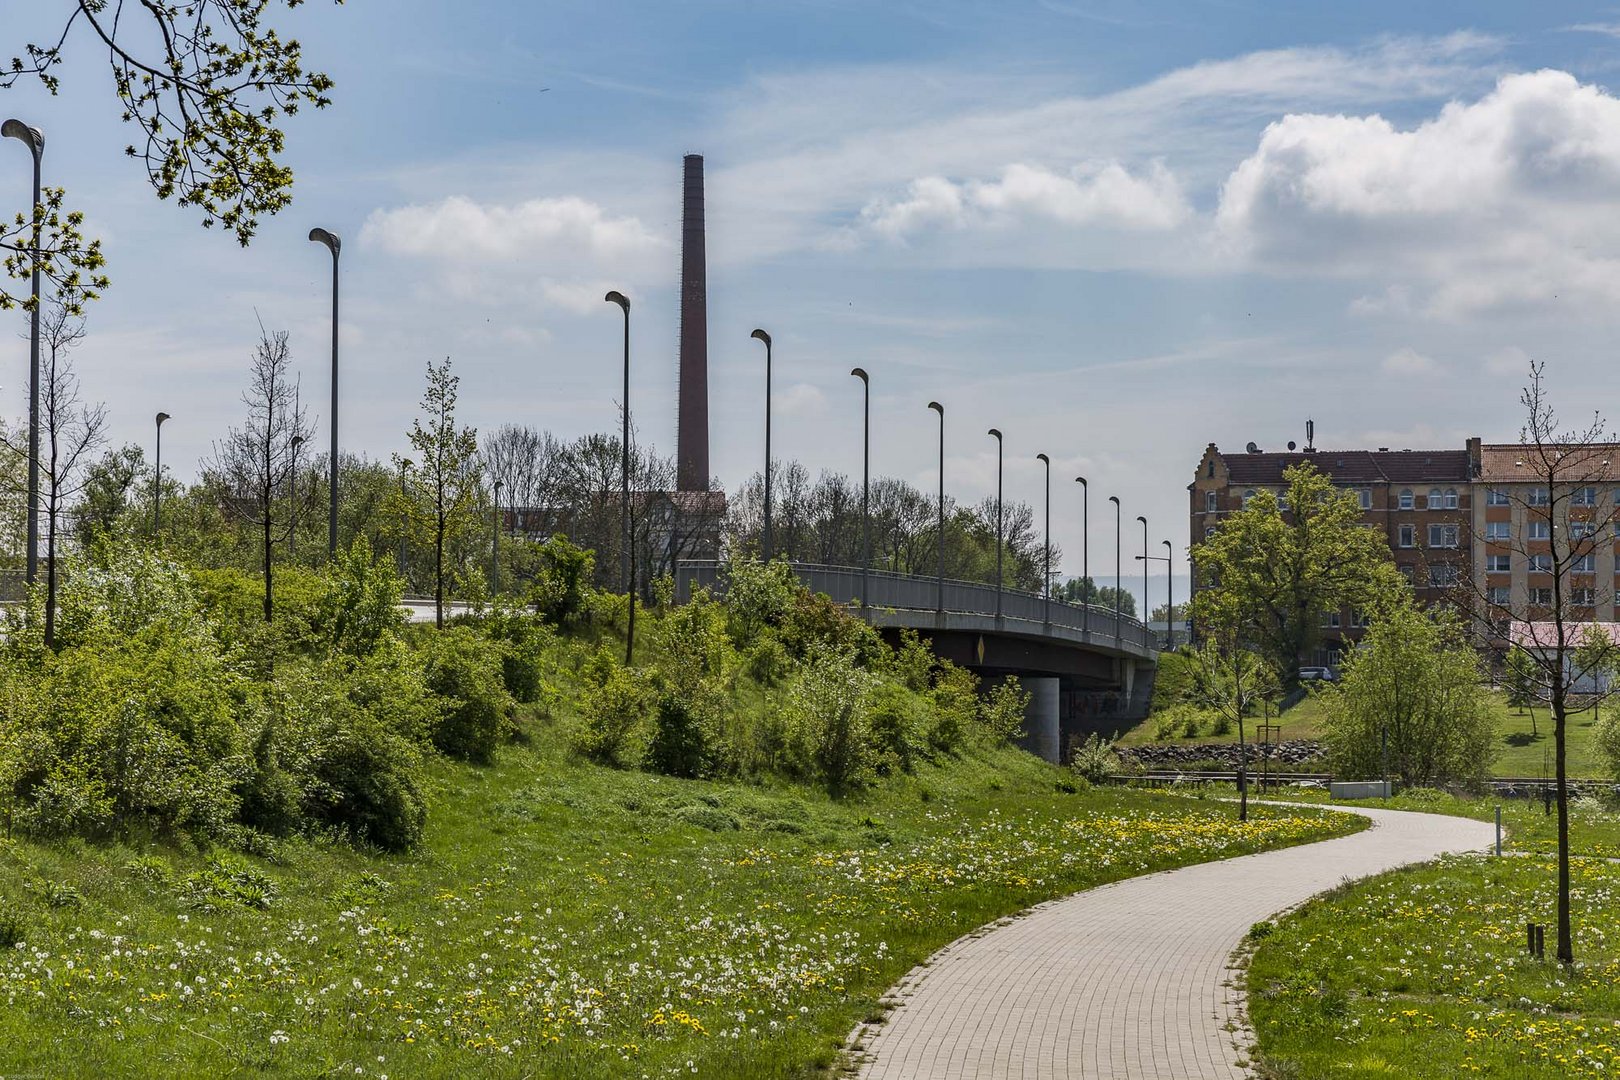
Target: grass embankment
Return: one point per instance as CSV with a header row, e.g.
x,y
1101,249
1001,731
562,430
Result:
x,y
561,919
1424,973
1524,737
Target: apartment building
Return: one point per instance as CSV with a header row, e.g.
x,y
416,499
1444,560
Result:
x,y
1422,501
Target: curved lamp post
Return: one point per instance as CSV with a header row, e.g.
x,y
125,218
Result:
x,y
405,464
495,546
627,564
157,486
1118,636
292,528
1046,572
940,542
765,545
1145,607
866,483
1170,594
334,244
1085,541
35,140
997,435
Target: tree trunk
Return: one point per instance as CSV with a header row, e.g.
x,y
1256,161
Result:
x,y
1566,937
438,576
50,562
1243,776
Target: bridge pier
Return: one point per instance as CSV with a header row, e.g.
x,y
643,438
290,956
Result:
x,y
1041,717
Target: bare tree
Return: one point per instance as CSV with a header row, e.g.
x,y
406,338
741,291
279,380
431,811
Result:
x,y
516,456
72,431
255,462
1563,492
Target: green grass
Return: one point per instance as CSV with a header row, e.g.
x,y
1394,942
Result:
x,y
561,920
1424,974
1524,738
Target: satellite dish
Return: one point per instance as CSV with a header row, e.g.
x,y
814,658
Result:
x,y
1290,444
1253,449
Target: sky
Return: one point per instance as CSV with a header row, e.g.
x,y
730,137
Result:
x,y
1118,231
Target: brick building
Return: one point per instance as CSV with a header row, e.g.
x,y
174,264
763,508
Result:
x,y
1422,501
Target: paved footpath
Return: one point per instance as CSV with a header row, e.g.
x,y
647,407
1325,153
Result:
x,y
1128,980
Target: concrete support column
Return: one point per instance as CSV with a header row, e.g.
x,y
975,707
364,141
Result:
x,y
1041,717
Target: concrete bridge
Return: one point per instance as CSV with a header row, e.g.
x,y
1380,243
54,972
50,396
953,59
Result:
x,y
1087,668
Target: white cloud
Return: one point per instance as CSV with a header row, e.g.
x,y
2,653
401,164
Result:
x,y
800,399
1508,201
1409,361
460,229
1103,194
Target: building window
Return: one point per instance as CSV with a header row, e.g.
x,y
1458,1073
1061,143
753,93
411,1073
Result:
x,y
1282,499
1366,498
1406,499
1248,496
1406,572
1541,597
1498,530
1210,469
1451,498
1408,536
1437,499
1442,576
1580,530
1442,536
1584,564
1212,502
1539,531
1330,621
1583,597
1496,497
1498,595
1541,564
1538,497
1586,496
1360,620
1209,533
1499,564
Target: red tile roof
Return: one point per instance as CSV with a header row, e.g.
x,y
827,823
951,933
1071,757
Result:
x,y
1355,466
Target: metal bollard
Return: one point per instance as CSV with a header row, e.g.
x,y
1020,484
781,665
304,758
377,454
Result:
x,y
1498,830
1530,938
1541,942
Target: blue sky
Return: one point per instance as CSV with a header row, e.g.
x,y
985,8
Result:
x,y
1117,231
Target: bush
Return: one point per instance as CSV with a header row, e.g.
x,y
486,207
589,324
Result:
x,y
911,662
359,606
1001,712
685,735
827,724
899,726
956,705
1607,740
369,783
613,703
758,597
464,670
526,640
1094,760
766,660
561,592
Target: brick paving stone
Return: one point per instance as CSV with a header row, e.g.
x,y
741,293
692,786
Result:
x,y
1128,980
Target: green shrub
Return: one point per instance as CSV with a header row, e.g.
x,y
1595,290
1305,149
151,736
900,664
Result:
x,y
766,660
827,724
911,662
900,722
561,592
613,704
270,795
685,736
758,597
367,781
527,640
1220,724
359,604
1174,681
1001,712
816,621
1093,759
956,707
465,670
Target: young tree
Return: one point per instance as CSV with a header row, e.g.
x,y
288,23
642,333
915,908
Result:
x,y
255,462
1231,681
1521,684
1562,473
1271,574
1409,702
71,429
442,489
208,83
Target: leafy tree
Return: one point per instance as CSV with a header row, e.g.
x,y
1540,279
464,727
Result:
x,y
443,487
208,82
1162,613
1522,685
1084,590
110,491
255,462
1410,698
1231,681
1270,576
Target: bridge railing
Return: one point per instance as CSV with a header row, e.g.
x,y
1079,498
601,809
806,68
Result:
x,y
914,593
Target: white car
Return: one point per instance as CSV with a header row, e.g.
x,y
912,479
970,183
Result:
x,y
1315,674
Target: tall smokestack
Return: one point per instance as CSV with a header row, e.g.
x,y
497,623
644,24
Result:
x,y
692,420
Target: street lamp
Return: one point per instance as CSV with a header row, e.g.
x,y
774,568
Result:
x,y
1046,571
765,545
404,527
997,435
626,561
940,543
1085,541
333,244
1170,595
495,546
1169,570
157,487
1118,636
292,528
866,483
1145,607
35,139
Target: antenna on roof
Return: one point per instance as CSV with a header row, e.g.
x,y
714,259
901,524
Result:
x,y
1251,448
1310,434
